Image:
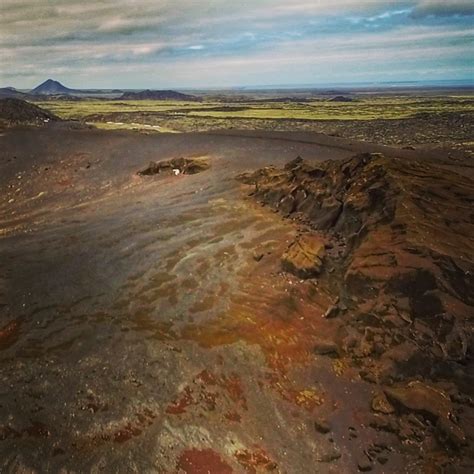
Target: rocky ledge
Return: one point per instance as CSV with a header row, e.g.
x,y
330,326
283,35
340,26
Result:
x,y
395,241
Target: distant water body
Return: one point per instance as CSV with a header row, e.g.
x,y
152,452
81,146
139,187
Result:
x,y
371,85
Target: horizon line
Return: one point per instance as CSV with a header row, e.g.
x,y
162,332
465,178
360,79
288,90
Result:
x,y
468,82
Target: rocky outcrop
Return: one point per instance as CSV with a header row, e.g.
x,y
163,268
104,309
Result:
x,y
400,236
406,263
176,166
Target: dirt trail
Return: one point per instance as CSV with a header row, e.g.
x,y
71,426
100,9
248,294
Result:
x,y
145,322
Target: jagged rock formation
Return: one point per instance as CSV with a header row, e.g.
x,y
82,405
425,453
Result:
x,y
403,270
18,112
407,269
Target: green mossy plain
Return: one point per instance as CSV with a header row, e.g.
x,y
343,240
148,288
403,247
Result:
x,y
360,109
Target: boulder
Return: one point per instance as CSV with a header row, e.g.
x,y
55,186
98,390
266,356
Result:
x,y
304,257
322,426
380,404
430,402
326,348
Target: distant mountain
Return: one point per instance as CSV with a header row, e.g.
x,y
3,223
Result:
x,y
51,87
157,95
12,92
18,112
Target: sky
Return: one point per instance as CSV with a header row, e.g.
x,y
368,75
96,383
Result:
x,y
231,43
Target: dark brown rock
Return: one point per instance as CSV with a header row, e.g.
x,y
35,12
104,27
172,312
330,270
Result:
x,y
327,348
432,403
364,464
451,432
332,455
383,423
322,426
380,404
420,397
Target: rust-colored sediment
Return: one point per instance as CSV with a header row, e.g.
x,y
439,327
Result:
x,y
202,461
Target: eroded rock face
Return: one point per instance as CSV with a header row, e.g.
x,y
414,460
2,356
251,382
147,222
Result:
x,y
400,236
408,261
183,165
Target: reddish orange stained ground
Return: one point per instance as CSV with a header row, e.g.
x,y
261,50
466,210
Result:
x,y
233,416
306,398
202,461
285,333
231,384
200,394
179,406
9,334
255,461
285,327
281,315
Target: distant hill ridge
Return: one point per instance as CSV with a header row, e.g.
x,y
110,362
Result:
x,y
54,89
11,92
18,112
341,98
157,95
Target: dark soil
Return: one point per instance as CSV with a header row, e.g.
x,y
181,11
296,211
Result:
x,y
147,325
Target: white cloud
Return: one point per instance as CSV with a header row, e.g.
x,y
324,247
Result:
x,y
267,38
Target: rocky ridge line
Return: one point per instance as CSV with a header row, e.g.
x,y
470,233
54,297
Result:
x,y
396,242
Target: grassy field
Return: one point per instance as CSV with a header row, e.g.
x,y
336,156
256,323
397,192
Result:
x,y
360,109
78,110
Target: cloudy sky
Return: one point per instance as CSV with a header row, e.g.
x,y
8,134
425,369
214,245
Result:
x,y
202,43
